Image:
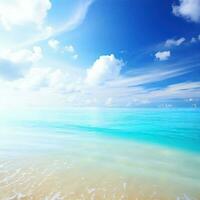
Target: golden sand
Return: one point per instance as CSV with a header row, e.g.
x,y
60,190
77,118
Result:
x,y
114,170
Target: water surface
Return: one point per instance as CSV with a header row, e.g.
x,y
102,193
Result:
x,y
93,153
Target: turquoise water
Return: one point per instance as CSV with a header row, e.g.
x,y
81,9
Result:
x,y
100,153
177,128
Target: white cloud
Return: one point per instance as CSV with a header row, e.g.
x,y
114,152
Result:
x,y
70,48
54,44
58,86
20,12
23,55
75,56
73,22
105,68
188,9
35,79
38,77
173,42
14,64
193,40
163,55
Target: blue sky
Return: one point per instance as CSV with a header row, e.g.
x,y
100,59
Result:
x,y
136,53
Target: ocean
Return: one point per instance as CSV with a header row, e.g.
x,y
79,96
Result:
x,y
100,153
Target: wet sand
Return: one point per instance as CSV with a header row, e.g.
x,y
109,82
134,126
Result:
x,y
96,168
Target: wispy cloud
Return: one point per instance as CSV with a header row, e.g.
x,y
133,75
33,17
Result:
x,y
64,87
182,90
149,77
74,21
78,17
173,42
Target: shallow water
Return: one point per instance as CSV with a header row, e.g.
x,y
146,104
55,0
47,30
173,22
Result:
x,y
100,154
